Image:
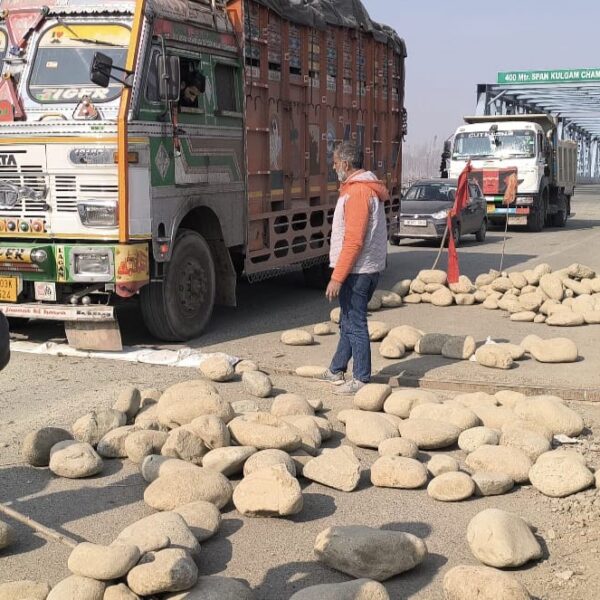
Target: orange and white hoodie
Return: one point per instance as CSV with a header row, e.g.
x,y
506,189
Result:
x,y
359,234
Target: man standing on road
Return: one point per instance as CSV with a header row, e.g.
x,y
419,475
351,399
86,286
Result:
x,y
357,255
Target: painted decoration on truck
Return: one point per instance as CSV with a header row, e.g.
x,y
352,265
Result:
x,y
132,269
493,182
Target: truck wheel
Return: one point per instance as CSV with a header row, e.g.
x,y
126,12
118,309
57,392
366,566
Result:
x,y
559,218
537,218
317,276
179,307
480,235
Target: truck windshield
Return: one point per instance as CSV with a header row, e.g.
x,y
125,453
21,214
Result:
x,y
61,67
483,144
3,48
436,192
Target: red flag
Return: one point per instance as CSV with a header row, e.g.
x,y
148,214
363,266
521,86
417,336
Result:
x,y
461,200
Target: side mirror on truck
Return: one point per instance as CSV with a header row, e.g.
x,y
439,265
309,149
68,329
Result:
x,y
169,79
100,69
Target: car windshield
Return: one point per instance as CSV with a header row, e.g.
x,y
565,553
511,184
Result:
x,y
436,192
484,144
61,68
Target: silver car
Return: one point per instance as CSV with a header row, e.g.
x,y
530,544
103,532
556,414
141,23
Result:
x,y
424,212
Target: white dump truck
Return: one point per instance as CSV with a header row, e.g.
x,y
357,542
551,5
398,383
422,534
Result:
x,y
546,167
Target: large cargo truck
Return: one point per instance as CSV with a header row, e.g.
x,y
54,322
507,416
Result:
x,y
153,151
546,167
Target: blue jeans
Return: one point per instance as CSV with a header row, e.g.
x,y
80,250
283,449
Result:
x,y
354,342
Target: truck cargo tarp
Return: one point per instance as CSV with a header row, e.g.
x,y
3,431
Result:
x,y
318,14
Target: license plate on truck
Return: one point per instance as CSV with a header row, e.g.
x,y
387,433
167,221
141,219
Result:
x,y
9,288
415,222
518,220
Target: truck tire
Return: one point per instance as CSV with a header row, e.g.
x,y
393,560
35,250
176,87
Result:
x,y
559,218
179,307
537,218
317,276
4,341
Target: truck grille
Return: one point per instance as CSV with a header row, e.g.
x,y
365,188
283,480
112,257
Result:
x,y
68,188
28,176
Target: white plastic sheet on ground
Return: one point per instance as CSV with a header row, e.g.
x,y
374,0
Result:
x,y
184,357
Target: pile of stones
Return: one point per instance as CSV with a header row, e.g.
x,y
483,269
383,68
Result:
x,y
199,452
562,298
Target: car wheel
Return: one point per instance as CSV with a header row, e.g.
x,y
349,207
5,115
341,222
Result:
x,y
394,240
480,235
455,234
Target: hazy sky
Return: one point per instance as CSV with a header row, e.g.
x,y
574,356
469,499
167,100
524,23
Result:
x,y
454,45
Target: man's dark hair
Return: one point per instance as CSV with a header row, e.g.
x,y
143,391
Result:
x,y
351,153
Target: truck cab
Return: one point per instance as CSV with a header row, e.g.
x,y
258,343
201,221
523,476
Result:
x,y
498,146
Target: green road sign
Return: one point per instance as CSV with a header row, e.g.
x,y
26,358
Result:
x,y
550,77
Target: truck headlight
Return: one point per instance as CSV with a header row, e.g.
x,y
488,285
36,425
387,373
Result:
x,y
442,214
98,213
91,263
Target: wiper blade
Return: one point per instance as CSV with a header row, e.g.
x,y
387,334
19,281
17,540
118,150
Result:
x,y
87,40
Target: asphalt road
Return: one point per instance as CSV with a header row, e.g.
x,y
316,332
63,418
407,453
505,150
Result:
x,y
274,555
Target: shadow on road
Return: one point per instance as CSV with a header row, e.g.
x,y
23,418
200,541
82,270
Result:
x,y
22,489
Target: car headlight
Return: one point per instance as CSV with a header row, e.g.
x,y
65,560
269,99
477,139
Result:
x,y
442,214
98,213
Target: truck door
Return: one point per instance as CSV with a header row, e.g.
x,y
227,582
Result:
x,y
210,122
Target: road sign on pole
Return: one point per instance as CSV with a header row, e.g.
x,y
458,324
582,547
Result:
x,y
578,76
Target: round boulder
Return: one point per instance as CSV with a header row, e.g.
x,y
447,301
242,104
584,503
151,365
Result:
x,y
398,472
368,429
140,444
103,562
442,463
490,483
449,412
551,412
501,539
36,446
75,586
169,570
372,396
269,458
268,492
560,476
511,461
257,383
471,439
402,402
482,583
366,552
203,518
451,487
398,447
217,368
92,427
297,337
229,461
74,460
183,402
182,487
263,431
359,589
429,434
290,404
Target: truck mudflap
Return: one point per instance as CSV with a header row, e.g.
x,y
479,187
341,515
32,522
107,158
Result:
x,y
91,327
